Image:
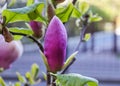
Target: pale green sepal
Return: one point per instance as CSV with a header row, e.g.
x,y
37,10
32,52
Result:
x,y
69,60
45,60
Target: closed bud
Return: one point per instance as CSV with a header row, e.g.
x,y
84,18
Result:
x,y
7,35
37,29
55,43
50,12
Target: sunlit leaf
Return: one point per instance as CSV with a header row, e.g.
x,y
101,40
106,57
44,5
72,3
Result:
x,y
83,7
73,79
87,37
17,84
21,78
34,70
20,30
2,83
28,13
95,18
65,13
29,77
29,2
17,37
76,13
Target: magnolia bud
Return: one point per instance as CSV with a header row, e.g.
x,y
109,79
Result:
x,y
37,29
9,52
55,44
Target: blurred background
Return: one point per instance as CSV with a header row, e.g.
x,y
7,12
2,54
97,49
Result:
x,y
99,57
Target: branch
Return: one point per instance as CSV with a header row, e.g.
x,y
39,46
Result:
x,y
81,37
48,79
84,27
30,37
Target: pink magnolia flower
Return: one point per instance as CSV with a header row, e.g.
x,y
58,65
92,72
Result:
x,y
55,43
37,28
9,52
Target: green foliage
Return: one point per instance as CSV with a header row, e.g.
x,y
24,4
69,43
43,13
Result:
x,y
73,79
76,13
83,7
29,78
21,78
95,18
24,14
34,70
29,2
2,82
87,37
17,84
65,13
20,30
72,11
101,12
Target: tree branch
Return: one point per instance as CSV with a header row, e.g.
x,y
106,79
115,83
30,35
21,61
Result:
x,y
30,37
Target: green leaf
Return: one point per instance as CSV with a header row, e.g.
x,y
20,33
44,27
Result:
x,y
29,2
24,14
21,78
83,7
95,18
87,37
17,37
65,13
17,84
73,79
2,83
76,13
20,30
34,70
29,77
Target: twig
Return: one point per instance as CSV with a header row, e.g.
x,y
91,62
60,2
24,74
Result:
x,y
81,37
48,79
74,1
30,37
84,27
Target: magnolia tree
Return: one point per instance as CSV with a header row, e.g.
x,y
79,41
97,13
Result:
x,y
45,20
